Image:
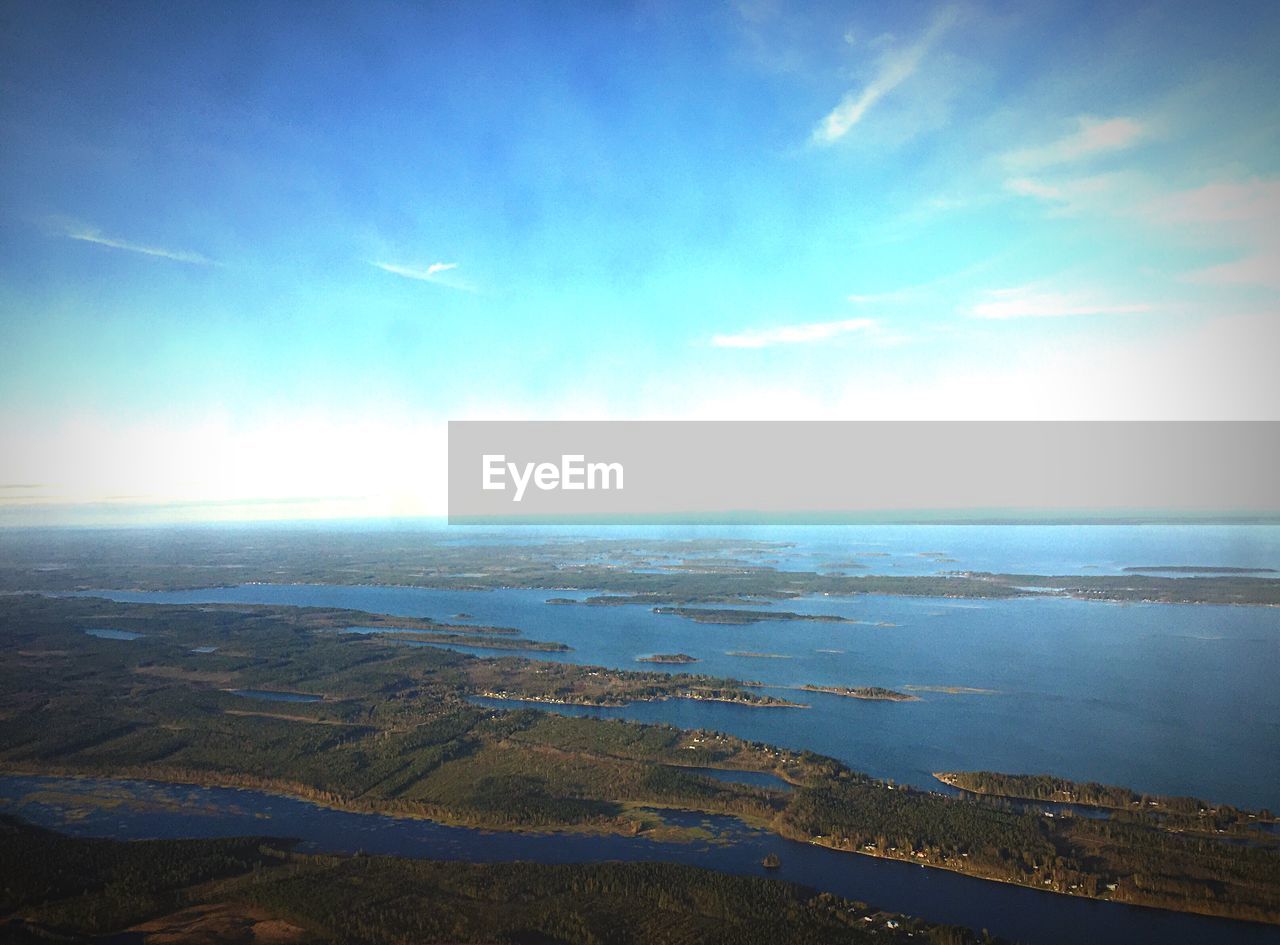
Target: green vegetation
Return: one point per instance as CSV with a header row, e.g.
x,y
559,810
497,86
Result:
x,y
1141,863
676,658
875,693
1188,813
397,732
741,617
99,886
476,641
61,887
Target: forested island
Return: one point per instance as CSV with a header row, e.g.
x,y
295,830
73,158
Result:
x,y
874,693
735,617
397,732
673,658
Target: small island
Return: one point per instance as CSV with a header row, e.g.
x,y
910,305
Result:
x,y
748,654
874,693
771,861
734,617
667,658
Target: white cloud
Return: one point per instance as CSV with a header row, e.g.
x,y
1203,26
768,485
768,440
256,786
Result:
x,y
1029,187
88,234
1030,302
793,334
1107,194
1262,269
1243,215
436,272
1092,137
895,68
1250,201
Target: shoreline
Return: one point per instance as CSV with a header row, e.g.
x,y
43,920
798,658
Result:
x,y
277,790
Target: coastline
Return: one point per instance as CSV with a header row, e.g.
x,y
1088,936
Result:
x,y
295,792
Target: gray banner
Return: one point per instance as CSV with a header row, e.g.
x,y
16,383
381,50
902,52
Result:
x,y
512,471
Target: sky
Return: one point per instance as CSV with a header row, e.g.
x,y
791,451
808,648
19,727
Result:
x,y
253,257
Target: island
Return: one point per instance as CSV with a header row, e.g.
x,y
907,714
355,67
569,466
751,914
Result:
x,y
667,658
400,731
736,617
874,693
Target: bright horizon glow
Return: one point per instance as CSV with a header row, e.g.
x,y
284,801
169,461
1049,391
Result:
x,y
257,260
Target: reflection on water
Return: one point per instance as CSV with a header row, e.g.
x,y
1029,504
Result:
x,y
110,633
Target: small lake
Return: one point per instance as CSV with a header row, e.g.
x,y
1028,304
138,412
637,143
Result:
x,y
142,810
110,633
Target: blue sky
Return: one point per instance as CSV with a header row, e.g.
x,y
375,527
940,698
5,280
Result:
x,y
264,252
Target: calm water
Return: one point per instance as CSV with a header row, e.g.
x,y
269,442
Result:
x,y
138,810
1167,699
927,549
110,633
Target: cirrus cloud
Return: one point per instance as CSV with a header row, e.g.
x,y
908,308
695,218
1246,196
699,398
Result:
x,y
793,334
437,272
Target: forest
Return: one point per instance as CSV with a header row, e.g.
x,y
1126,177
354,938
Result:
x,y
62,888
395,729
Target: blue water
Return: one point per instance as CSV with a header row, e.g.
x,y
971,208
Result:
x,y
1162,698
110,633
143,810
910,549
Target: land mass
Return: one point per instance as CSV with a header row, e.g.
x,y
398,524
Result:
x,y
1186,812
742,617
875,693
676,658
616,571
398,732
62,888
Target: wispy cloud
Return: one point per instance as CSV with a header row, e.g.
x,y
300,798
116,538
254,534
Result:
x,y
1099,193
1031,302
895,68
1225,201
1241,214
793,334
89,234
439,273
1092,137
